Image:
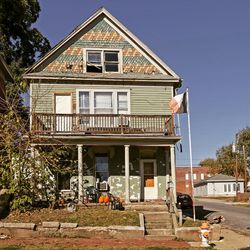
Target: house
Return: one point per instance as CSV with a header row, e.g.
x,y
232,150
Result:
x,y
106,94
218,185
5,76
183,178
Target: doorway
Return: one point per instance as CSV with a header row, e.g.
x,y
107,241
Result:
x,y
63,105
149,182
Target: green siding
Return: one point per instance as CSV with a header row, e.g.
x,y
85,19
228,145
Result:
x,y
153,100
143,100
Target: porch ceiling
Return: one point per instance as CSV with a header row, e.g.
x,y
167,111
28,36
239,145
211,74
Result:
x,y
105,140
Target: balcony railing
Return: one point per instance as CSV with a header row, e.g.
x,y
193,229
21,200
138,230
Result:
x,y
45,123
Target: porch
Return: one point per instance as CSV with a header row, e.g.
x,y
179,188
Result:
x,y
97,124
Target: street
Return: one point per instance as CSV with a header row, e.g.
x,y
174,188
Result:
x,y
236,217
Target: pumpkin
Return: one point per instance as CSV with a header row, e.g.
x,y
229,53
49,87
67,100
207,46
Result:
x,y
106,199
101,199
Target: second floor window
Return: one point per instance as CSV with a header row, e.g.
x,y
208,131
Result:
x,y
103,102
102,61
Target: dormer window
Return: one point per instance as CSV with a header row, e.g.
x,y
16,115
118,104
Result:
x,y
102,61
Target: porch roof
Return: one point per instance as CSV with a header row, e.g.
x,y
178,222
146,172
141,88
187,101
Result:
x,y
105,140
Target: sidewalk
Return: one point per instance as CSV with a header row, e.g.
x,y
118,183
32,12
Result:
x,y
231,241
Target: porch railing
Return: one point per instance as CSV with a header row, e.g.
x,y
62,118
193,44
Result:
x,y
43,123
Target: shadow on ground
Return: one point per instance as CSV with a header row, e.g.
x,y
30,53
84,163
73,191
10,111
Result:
x,y
200,213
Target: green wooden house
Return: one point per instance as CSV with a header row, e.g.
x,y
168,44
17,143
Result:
x,y
105,93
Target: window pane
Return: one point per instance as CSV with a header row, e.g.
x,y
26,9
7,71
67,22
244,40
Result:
x,y
103,102
122,101
94,68
102,168
225,188
111,56
94,57
84,102
111,67
229,187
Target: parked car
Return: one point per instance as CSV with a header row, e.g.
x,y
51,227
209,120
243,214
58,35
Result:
x,y
184,201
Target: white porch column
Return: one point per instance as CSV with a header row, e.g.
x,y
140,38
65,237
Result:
x,y
167,166
127,193
80,173
173,169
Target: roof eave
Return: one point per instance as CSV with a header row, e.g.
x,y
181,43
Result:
x,y
72,78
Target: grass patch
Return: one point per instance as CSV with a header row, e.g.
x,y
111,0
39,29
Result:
x,y
191,223
92,216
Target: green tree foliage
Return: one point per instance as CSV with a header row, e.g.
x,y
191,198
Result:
x,y
28,172
20,42
211,164
225,162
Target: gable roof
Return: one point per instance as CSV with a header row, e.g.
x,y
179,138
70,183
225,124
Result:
x,y
102,12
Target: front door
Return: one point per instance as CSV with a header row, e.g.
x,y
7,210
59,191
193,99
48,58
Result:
x,y
63,104
149,179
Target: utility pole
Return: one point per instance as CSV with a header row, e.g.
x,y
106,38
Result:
x,y
236,175
245,169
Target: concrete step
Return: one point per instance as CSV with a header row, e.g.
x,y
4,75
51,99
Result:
x,y
159,232
146,207
158,225
157,216
153,237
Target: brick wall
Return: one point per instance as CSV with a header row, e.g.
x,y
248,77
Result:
x,y
183,178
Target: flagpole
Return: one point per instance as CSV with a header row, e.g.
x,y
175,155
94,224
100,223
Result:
x,y
190,153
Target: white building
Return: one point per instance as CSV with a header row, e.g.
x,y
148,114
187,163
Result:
x,y
218,185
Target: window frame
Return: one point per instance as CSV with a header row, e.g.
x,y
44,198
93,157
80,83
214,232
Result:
x,y
95,164
103,62
114,99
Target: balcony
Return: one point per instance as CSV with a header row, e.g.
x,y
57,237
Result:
x,y
98,124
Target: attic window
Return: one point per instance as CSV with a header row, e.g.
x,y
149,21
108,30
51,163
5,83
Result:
x,y
102,61
94,61
111,61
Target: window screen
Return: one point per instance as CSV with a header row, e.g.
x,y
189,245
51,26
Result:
x,y
103,103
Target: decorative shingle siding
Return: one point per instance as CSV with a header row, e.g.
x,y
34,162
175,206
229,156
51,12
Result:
x,y
102,36
143,100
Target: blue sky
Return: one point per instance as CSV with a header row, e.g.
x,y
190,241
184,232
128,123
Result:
x,y
207,43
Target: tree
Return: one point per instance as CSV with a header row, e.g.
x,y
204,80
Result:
x,y
20,43
211,164
225,162
26,171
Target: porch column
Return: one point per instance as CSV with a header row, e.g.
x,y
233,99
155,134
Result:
x,y
127,194
167,166
173,169
80,173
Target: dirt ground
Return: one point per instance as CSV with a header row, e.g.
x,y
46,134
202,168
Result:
x,y
231,240
65,243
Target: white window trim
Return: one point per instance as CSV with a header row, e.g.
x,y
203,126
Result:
x,y
102,50
91,98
